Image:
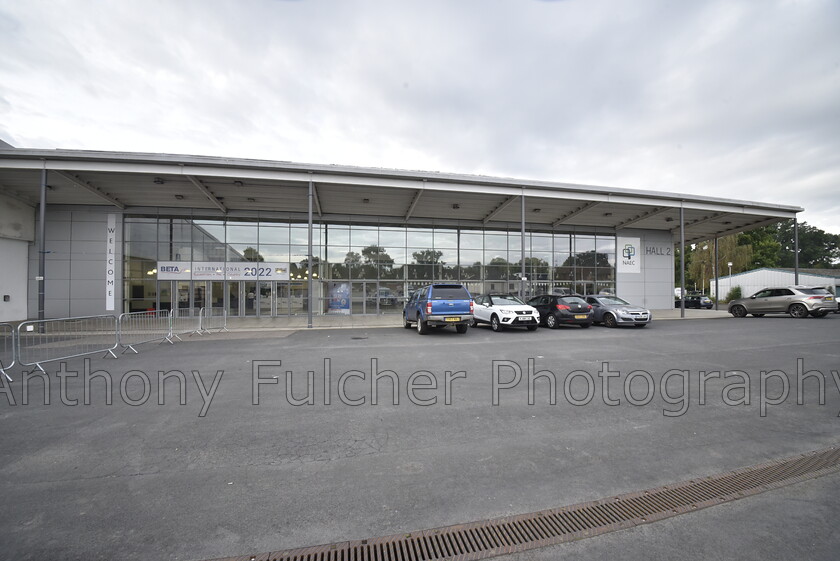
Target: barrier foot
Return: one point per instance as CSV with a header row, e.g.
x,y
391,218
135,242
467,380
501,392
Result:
x,y
9,378
111,352
129,348
39,367
177,337
166,340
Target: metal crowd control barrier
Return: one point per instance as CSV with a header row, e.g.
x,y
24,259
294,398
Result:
x,y
213,318
185,321
7,349
58,339
136,328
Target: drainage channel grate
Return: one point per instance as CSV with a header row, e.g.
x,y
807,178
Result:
x,y
489,538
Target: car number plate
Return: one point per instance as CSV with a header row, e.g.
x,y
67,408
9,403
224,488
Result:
x,y
580,316
449,318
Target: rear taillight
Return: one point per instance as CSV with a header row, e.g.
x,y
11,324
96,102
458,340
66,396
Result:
x,y
589,306
815,298
563,307
471,306
428,308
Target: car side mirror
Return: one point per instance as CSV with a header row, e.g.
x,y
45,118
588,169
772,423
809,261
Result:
x,y
752,297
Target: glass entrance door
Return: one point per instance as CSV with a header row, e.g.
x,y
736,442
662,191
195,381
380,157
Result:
x,y
234,298
250,298
266,306
358,297
164,295
217,295
183,291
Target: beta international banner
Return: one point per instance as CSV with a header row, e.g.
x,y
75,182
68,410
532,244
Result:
x,y
210,270
629,260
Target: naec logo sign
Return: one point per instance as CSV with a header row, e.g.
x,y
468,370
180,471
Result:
x,y
629,262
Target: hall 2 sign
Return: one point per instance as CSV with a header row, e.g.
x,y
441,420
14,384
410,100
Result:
x,y
629,258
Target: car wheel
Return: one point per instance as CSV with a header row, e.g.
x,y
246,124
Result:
x,y
798,311
551,321
585,325
406,323
422,326
820,314
473,322
532,328
758,315
461,328
738,311
495,324
609,320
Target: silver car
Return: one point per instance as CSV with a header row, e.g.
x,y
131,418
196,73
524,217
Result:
x,y
613,311
798,301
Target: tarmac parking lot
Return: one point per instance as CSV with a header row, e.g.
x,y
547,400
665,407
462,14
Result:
x,y
245,451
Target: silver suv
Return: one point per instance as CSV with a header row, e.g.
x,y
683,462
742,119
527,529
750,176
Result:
x,y
798,301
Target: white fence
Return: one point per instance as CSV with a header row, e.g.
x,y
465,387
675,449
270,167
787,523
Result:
x,y
58,339
213,319
137,328
185,321
7,349
36,342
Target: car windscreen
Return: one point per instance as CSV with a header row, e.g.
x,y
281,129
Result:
x,y
813,291
614,301
450,293
572,300
506,300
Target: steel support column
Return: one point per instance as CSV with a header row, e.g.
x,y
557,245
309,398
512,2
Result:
x,y
795,250
522,249
682,262
42,247
310,295
717,277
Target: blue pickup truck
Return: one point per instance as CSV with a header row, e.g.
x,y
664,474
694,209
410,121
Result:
x,y
439,305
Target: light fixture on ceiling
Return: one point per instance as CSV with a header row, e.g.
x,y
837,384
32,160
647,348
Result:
x,y
179,197
537,210
669,219
159,181
607,214
456,206
727,223
252,200
238,183
366,201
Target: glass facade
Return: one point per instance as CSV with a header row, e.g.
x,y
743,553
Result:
x,y
357,268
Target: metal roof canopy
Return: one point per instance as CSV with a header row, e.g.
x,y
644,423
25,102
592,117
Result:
x,y
214,186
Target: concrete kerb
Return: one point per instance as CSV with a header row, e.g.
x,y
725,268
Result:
x,y
295,323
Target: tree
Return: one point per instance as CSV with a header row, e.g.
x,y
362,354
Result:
x,y
427,257
700,266
766,248
817,248
376,255
251,254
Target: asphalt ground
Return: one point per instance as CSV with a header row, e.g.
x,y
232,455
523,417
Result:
x,y
152,481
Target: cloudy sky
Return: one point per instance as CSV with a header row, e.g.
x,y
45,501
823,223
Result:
x,y
736,99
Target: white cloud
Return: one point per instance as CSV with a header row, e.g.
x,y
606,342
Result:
x,y
730,99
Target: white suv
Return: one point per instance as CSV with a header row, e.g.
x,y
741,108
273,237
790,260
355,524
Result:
x,y
505,310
